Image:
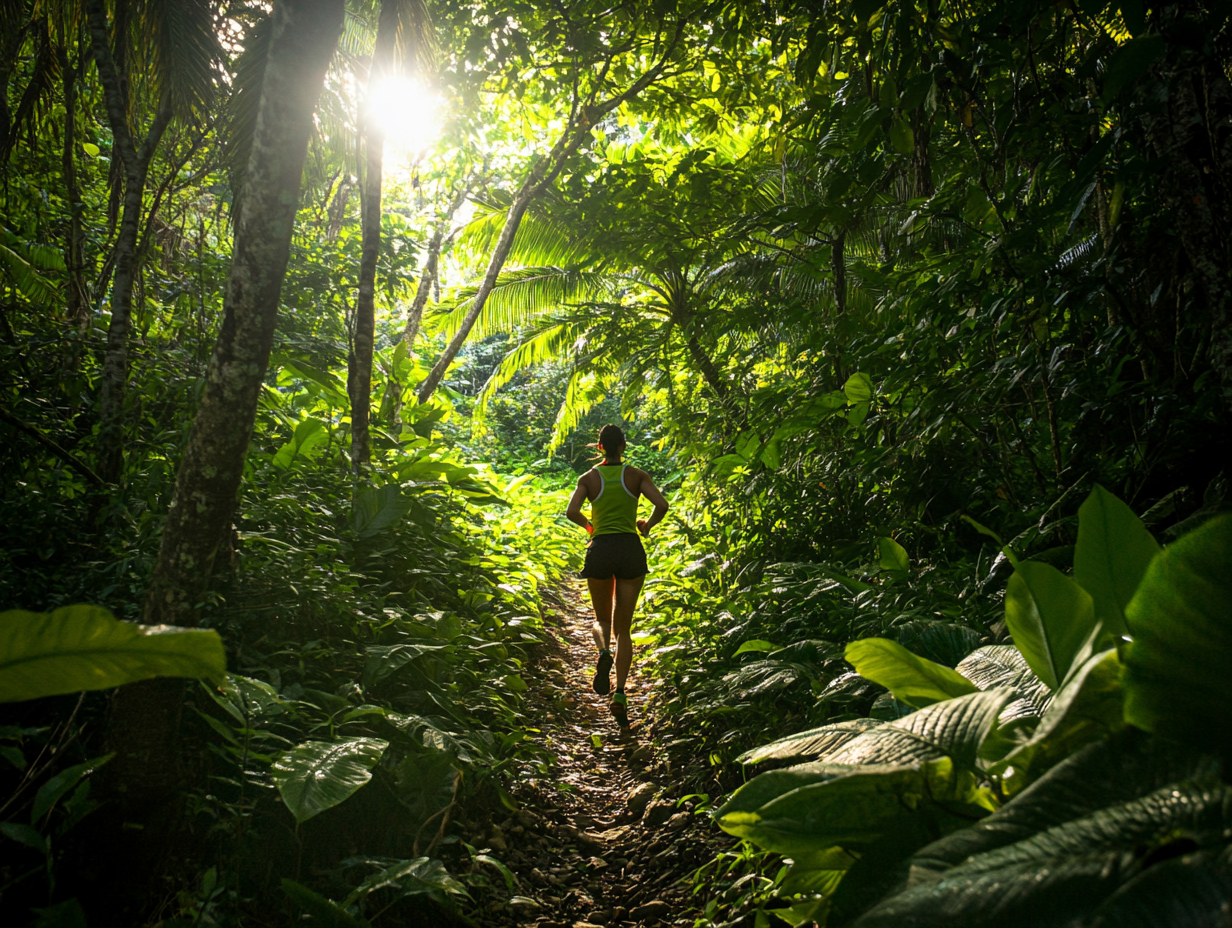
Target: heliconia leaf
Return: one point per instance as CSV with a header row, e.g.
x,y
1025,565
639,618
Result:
x,y
812,743
1113,553
815,807
893,555
317,775
1064,850
1177,681
1050,617
955,728
1088,707
912,679
79,648
1003,665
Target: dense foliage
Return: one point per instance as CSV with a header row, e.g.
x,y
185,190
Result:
x,y
919,311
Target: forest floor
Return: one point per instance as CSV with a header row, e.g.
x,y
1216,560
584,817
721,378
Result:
x,y
609,842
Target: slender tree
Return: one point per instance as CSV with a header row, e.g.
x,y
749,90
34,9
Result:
x,y
403,37
184,49
143,719
305,33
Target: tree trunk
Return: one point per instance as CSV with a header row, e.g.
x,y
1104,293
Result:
x,y
78,308
359,383
144,717
305,34
838,267
136,165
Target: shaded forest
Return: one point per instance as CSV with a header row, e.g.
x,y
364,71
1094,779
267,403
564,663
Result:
x,y
919,312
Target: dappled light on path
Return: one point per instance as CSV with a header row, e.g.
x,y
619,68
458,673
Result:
x,y
605,842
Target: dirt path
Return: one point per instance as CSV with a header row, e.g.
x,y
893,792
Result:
x,y
606,843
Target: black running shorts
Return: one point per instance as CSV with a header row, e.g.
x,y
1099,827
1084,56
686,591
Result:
x,y
620,556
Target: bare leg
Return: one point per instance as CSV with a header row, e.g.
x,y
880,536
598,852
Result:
x,y
601,597
627,592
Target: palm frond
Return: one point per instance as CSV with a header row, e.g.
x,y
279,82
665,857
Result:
x,y
415,45
184,48
25,263
585,390
547,343
37,96
540,240
520,295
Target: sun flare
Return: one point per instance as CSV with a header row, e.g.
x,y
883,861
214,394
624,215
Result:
x,y
407,111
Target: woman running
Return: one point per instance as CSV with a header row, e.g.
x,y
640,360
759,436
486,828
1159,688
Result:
x,y
615,561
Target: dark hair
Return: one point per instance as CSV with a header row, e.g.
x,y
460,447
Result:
x,y
611,438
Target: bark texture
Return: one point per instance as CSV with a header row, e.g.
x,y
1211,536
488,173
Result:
x,y
78,304
305,34
359,381
135,164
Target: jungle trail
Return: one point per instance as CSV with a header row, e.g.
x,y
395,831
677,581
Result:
x,y
917,312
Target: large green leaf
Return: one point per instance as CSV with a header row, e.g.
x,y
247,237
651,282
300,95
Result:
x,y
818,806
308,436
893,556
912,679
1003,665
1177,677
1123,767
420,876
812,743
1069,846
1051,618
955,728
1113,552
1062,877
374,511
384,659
86,648
942,642
318,775
1088,707
1062,851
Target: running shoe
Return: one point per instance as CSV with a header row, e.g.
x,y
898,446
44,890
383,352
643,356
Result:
x,y
620,709
603,673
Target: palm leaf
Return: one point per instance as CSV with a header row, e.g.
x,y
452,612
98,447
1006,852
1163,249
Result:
x,y
183,46
520,295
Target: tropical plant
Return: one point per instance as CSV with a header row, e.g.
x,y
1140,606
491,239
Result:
x,y
882,799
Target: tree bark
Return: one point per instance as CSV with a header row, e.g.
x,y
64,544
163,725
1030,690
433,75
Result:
x,y
136,165
838,267
305,35
359,383
78,306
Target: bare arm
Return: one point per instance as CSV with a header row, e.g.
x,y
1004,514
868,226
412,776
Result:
x,y
574,511
657,499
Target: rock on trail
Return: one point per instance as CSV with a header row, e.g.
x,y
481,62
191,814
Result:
x,y
601,841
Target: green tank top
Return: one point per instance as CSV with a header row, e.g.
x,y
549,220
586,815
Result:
x,y
614,510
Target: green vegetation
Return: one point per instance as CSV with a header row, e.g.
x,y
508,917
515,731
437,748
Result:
x,y
919,312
